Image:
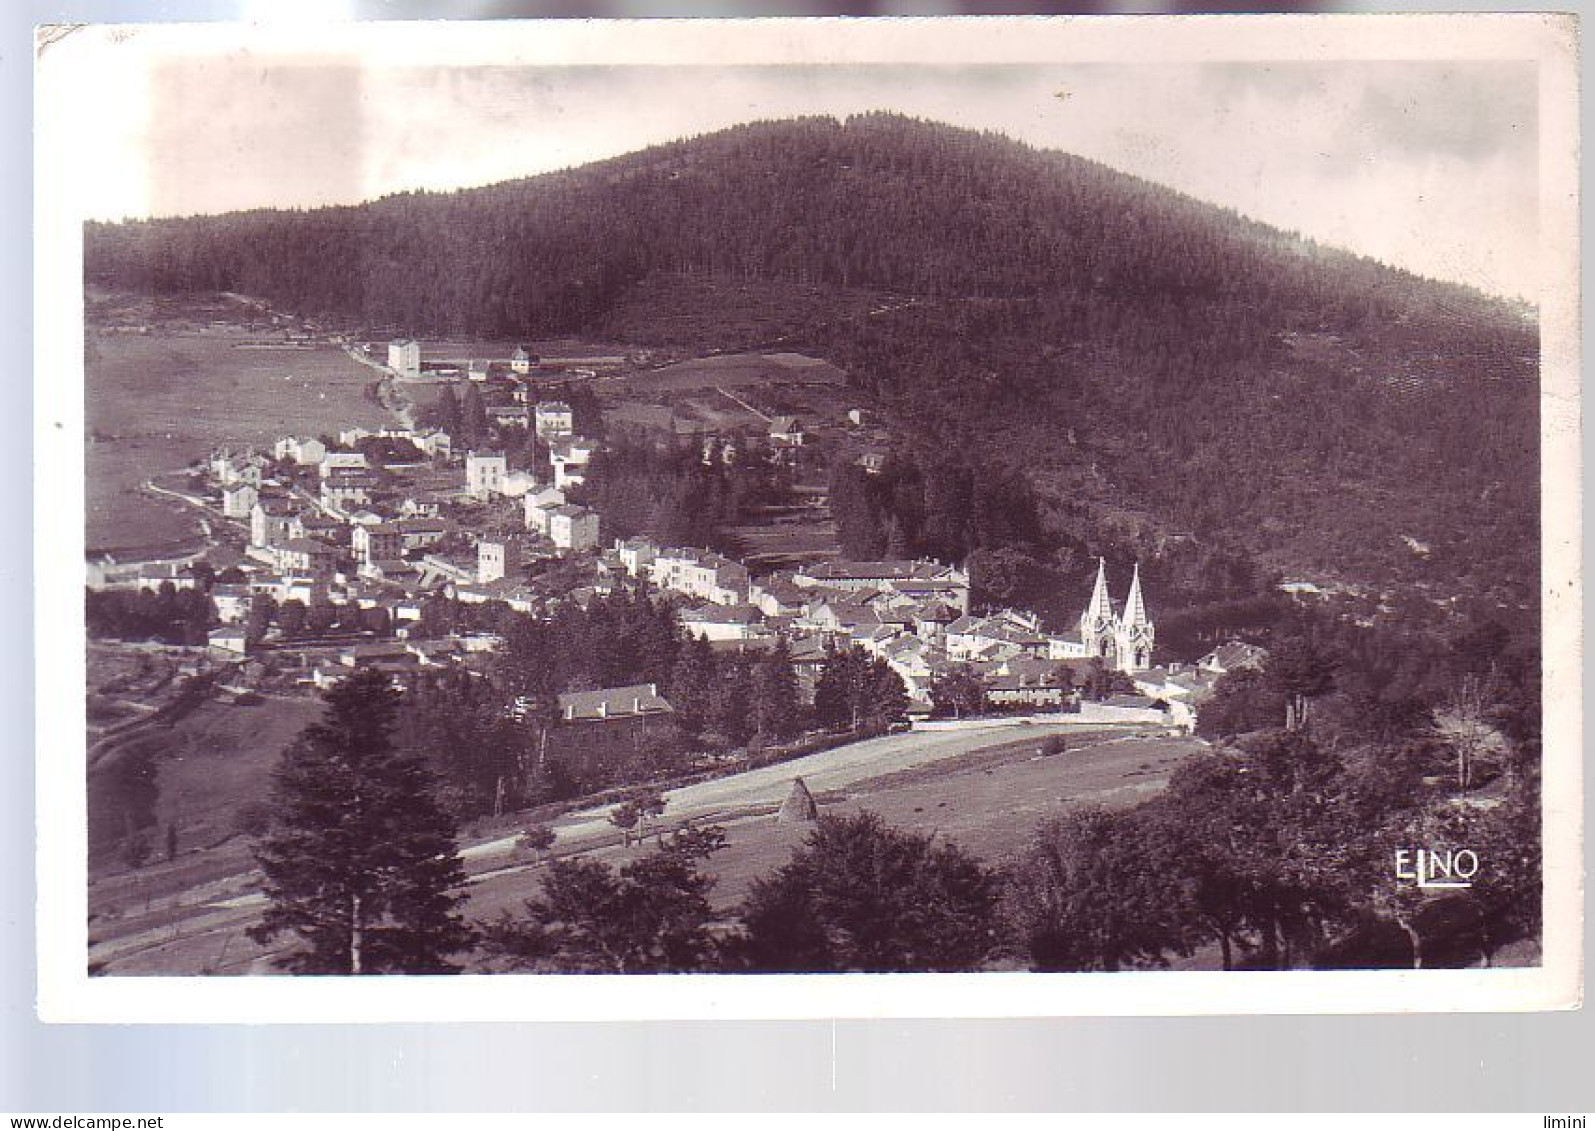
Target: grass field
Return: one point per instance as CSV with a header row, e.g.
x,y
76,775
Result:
x,y
155,402
208,766
987,790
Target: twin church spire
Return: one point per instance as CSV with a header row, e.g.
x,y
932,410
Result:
x,y
1124,639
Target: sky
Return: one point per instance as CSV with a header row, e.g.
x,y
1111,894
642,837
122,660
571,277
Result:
x,y
1427,165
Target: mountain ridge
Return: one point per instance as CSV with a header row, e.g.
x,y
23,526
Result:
x,y
1292,401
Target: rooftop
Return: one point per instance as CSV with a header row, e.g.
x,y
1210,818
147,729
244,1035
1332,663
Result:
x,y
613,702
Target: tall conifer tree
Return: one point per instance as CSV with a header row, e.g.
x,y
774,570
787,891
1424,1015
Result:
x,y
360,860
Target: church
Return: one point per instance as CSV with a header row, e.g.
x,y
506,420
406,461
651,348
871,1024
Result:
x,y
1122,638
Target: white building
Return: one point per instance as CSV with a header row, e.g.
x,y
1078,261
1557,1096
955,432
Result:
x,y
239,500
569,459
231,470
484,473
538,504
1124,639
573,528
518,484
272,521
435,443
636,554
497,557
554,420
333,462
404,357
232,602
230,640
786,432
521,361
722,622
305,451
701,574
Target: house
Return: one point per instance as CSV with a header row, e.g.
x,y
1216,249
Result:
x,y
777,596
345,487
858,417
573,528
282,588
633,702
510,416
554,420
602,736
272,521
721,622
522,361
701,574
1027,682
517,484
786,432
435,443
911,659
569,458
839,616
323,527
478,370
229,640
498,557
484,473
451,567
1232,655
872,460
307,557
380,652
394,571
151,577
538,504
239,500
636,555
383,541
230,470
921,580
336,463
404,357
304,451
231,601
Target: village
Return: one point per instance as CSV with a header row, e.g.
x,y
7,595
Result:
x,y
326,553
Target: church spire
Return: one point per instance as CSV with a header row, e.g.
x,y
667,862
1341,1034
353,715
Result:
x,y
1100,610
1134,606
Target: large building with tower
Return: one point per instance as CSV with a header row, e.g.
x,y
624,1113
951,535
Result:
x,y
1122,637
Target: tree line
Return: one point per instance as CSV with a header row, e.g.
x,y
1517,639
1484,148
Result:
x,y
679,491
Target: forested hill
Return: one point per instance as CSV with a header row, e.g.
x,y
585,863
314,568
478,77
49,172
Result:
x,y
1155,364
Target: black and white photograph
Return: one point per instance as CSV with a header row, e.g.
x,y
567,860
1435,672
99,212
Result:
x,y
1005,499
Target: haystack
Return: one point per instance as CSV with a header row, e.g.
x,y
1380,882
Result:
x,y
799,805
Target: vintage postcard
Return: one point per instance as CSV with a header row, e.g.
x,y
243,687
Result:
x,y
931,517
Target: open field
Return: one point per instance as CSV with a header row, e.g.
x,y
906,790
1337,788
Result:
x,y
985,787
726,371
208,766
156,401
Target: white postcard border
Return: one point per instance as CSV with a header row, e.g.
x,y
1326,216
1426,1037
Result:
x,y
65,102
